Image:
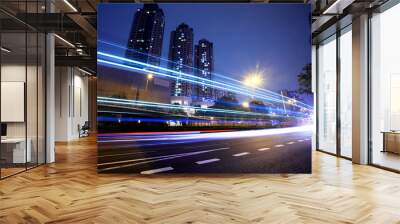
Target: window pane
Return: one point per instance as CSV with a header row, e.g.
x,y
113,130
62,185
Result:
x,y
346,94
327,96
385,85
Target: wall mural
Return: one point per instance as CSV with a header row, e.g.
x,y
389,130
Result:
x,y
204,88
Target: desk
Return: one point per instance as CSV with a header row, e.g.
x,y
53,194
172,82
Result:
x,y
15,148
391,141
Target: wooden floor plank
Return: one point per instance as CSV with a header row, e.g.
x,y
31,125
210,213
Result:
x,y
71,191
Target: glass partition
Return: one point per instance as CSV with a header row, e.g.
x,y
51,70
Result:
x,y
385,89
327,95
346,92
13,114
22,91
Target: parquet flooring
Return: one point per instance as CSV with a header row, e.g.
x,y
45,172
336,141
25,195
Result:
x,y
71,191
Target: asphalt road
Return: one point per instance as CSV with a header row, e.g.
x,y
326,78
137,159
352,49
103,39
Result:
x,y
156,154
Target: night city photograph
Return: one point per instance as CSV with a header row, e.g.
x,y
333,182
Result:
x,y
204,88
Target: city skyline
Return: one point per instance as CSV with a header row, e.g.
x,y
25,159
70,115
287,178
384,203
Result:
x,y
279,74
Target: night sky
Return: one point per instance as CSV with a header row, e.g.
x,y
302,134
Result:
x,y
275,36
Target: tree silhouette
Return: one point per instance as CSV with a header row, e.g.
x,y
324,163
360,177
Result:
x,y
304,80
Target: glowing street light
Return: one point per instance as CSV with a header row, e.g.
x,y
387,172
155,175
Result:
x,y
253,80
245,104
149,78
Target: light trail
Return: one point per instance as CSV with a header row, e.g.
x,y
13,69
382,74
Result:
x,y
204,81
226,87
171,138
110,100
213,73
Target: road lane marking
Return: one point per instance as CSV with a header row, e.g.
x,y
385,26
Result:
x,y
164,169
263,149
170,156
207,161
290,143
135,162
278,146
241,154
300,140
122,154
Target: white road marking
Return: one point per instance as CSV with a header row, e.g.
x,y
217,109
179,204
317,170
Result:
x,y
135,162
278,146
241,154
164,169
207,161
290,143
263,149
157,158
300,140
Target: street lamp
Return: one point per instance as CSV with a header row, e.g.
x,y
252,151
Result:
x,y
149,78
245,104
253,80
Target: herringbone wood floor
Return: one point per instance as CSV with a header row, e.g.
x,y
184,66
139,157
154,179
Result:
x,y
70,191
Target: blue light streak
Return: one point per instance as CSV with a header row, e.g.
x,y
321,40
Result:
x,y
279,96
110,101
226,87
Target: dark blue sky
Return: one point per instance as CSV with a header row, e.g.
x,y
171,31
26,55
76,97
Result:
x,y
275,36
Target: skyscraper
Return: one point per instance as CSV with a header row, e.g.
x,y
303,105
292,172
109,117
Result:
x,y
146,35
181,57
145,45
204,64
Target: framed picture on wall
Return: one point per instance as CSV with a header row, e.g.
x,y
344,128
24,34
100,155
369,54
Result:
x,y
204,88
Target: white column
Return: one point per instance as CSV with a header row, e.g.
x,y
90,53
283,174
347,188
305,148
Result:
x,y
50,99
360,90
50,92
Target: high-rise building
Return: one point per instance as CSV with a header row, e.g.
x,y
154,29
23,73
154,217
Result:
x,y
181,57
146,37
145,45
204,63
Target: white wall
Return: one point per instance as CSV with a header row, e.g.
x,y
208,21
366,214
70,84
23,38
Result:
x,y
71,102
17,73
